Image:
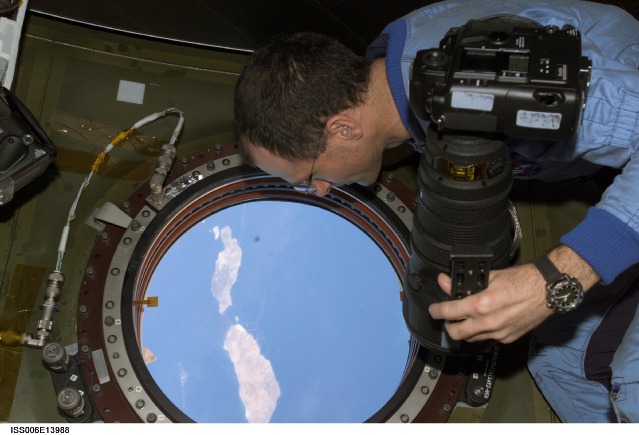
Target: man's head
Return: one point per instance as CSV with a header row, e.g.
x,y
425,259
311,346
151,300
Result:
x,y
289,90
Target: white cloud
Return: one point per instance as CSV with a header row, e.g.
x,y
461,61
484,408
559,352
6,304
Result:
x,y
184,376
226,267
259,389
216,232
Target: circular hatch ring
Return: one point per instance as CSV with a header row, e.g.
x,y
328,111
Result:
x,y
122,262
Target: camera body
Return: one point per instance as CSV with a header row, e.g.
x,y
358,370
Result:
x,y
503,74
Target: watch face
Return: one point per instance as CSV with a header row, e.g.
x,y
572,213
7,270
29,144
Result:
x,y
565,295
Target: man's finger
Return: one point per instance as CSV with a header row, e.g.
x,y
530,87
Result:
x,y
445,283
449,310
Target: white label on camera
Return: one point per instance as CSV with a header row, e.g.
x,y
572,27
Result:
x,y
472,101
543,120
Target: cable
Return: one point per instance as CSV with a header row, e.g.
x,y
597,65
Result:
x,y
98,162
55,280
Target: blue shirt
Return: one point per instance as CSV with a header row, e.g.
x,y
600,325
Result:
x,y
608,237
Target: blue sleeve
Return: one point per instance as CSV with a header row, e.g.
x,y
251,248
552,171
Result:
x,y
608,238
605,242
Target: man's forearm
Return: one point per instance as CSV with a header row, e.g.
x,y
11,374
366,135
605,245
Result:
x,y
569,262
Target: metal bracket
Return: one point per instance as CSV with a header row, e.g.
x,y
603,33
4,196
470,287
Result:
x,y
109,213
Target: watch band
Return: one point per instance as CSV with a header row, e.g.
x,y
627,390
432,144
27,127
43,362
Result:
x,y
548,269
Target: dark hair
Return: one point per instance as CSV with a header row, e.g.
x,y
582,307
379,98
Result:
x,y
291,87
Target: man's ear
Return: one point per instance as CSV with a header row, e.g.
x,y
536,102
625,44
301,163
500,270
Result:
x,y
344,127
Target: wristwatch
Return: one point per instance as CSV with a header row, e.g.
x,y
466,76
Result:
x,y
563,292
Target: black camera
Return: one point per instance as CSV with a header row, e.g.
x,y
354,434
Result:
x,y
492,78
25,149
503,74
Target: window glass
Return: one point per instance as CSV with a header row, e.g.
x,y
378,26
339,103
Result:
x,y
275,312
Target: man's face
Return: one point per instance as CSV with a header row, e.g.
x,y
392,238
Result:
x,y
341,163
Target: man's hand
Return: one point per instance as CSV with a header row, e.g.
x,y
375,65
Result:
x,y
513,303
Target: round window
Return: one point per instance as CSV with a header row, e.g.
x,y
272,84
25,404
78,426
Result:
x,y
275,311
